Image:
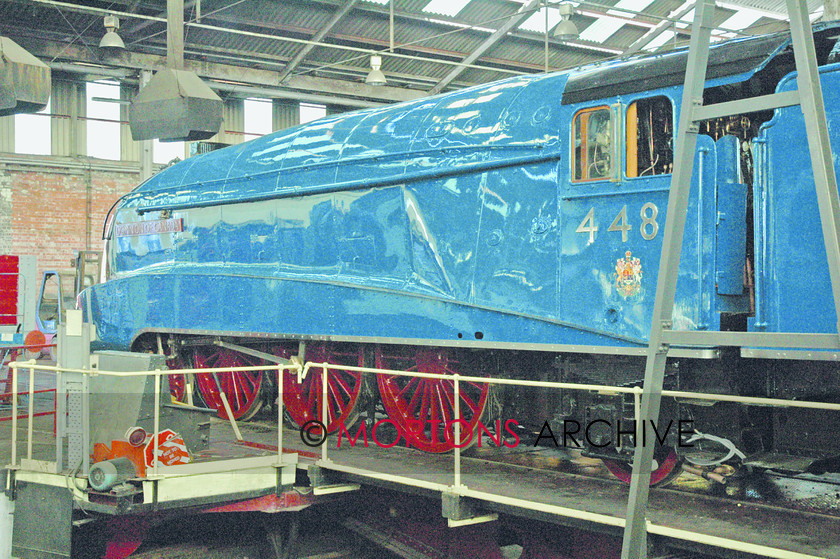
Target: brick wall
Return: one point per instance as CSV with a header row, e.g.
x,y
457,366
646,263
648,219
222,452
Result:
x,y
5,211
45,201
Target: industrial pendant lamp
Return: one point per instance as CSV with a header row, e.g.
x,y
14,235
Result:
x,y
111,40
375,77
566,30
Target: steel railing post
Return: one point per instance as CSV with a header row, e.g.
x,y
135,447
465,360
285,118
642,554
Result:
x,y
280,375
324,413
457,440
156,435
14,414
31,412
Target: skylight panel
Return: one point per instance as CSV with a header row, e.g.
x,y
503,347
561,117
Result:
x,y
663,38
604,27
686,19
741,19
449,8
635,5
536,22
383,2
597,48
461,25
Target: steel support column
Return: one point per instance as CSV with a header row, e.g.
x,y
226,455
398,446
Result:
x,y
635,533
517,18
317,38
825,183
175,34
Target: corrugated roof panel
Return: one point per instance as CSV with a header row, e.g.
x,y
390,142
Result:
x,y
288,13
479,76
54,20
625,36
261,46
776,6
489,12
768,25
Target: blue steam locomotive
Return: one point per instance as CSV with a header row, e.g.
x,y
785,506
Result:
x,y
508,229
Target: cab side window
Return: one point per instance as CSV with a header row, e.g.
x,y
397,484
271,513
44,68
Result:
x,y
592,153
650,133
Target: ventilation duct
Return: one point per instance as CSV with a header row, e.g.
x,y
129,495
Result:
x,y
175,105
24,80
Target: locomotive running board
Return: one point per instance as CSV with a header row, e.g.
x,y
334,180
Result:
x,y
691,113
203,337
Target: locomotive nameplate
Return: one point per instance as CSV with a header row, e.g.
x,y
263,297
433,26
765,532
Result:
x,y
137,228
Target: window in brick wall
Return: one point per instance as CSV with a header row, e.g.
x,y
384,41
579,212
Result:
x,y
310,112
103,119
257,118
32,132
165,152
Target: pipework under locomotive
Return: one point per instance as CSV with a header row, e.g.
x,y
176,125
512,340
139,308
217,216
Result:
x,y
510,229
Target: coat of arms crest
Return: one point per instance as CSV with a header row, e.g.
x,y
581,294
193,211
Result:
x,y
628,275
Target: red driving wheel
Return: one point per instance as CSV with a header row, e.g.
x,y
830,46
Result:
x,y
124,534
666,467
178,382
242,388
303,401
423,409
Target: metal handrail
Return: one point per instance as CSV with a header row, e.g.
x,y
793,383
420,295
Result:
x,y
302,371
32,365
457,487
777,402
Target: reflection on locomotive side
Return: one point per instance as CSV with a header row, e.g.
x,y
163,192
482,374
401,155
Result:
x,y
510,229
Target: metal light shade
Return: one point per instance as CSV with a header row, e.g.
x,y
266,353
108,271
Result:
x,y
111,41
375,77
566,29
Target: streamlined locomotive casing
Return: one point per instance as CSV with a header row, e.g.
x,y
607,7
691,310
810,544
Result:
x,y
452,220
526,214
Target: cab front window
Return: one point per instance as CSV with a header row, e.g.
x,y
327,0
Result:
x,y
650,133
592,153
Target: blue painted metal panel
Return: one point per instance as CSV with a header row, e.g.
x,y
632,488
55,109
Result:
x,y
593,290
213,301
436,219
793,287
731,219
378,147
516,241
696,305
